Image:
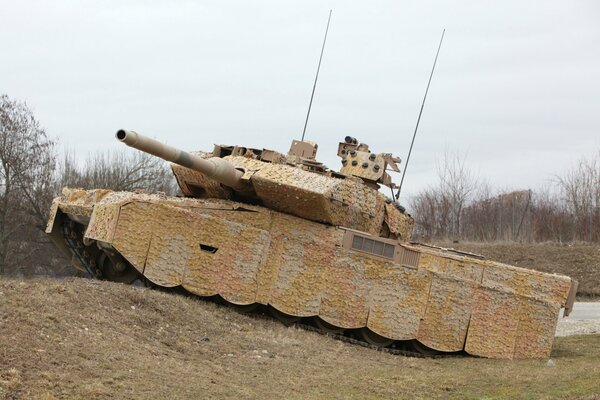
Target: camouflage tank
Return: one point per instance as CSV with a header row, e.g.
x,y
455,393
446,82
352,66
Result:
x,y
258,227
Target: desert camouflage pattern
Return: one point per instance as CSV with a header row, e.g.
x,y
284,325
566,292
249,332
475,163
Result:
x,y
248,254
321,198
263,227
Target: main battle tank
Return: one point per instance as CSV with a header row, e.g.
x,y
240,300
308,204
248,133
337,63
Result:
x,y
261,227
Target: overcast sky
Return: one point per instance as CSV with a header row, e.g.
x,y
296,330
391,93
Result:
x,y
516,88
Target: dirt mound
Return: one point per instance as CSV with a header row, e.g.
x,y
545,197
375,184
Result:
x,y
92,339
78,338
579,261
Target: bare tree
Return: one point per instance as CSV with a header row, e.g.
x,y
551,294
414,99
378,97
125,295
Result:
x,y
439,209
580,187
457,184
425,208
26,172
122,170
480,218
552,219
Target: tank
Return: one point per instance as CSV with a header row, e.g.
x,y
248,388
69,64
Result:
x,y
259,227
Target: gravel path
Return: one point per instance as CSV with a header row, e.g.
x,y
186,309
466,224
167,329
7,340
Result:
x,y
584,320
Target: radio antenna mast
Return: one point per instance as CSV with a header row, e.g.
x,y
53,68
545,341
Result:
x,y
419,118
316,77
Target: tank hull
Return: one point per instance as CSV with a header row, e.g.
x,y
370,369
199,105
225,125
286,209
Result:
x,y
350,279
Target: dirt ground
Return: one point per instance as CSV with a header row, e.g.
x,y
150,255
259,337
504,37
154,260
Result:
x,y
579,261
77,338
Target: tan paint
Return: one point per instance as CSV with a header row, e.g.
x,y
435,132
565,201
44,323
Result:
x,y
295,251
448,302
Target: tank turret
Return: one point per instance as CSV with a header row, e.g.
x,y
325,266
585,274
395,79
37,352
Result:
x,y
294,183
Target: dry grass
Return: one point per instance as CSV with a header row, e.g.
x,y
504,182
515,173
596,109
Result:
x,y
579,261
77,338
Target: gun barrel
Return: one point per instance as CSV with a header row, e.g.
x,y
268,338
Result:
x,y
215,167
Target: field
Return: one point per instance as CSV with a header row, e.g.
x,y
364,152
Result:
x,y
77,338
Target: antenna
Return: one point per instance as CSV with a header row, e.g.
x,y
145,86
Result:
x,y
316,77
419,118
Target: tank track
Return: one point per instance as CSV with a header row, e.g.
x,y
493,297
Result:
x,y
362,343
74,241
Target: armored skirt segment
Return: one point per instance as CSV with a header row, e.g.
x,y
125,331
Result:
x,y
350,279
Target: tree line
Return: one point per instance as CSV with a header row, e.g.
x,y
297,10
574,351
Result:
x,y
32,173
460,206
